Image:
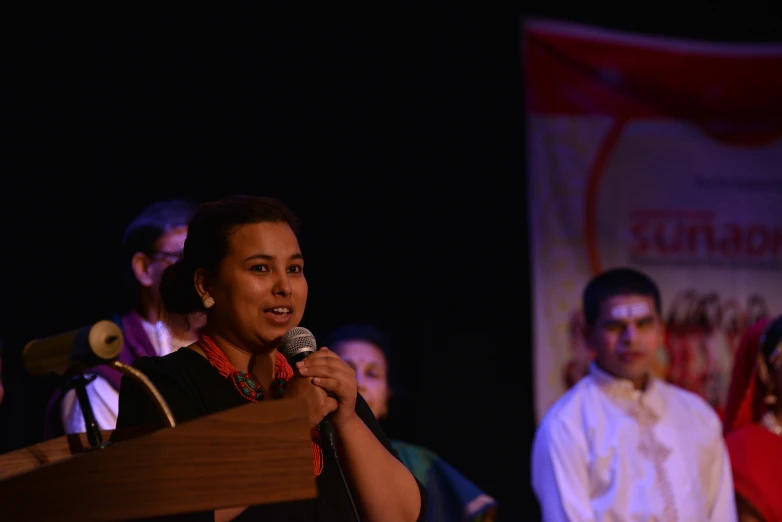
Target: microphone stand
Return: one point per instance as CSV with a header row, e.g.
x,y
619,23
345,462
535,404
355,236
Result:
x,y
79,382
75,379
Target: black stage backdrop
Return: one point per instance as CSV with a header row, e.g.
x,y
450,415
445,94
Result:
x,y
396,135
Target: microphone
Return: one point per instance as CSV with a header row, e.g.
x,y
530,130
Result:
x,y
78,349
296,345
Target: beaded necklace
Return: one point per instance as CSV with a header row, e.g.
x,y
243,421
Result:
x,y
251,390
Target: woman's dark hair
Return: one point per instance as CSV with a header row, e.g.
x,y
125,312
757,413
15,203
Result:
x,y
207,243
359,332
614,282
770,338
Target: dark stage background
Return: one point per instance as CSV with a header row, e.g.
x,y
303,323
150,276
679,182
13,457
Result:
x,y
397,136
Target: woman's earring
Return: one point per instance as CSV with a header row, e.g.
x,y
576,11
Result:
x,y
208,301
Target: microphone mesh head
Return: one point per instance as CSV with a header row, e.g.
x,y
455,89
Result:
x,y
297,341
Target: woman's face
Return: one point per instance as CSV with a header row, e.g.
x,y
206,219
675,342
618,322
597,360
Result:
x,y
775,369
260,291
371,368
168,250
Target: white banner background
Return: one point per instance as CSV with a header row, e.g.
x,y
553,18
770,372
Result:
x,y
695,213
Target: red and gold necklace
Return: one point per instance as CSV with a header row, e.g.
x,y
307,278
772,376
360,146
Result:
x,y
251,390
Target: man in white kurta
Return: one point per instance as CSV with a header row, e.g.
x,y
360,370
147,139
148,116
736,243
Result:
x,y
608,452
622,445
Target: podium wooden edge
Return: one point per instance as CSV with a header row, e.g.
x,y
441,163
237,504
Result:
x,y
252,454
47,452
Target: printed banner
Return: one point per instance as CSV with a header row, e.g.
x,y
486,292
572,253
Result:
x,y
663,155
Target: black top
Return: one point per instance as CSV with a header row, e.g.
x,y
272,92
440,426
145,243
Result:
x,y
193,388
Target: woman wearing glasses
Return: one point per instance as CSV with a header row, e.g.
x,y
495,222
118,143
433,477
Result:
x,y
150,243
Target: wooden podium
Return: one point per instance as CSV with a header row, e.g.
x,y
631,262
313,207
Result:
x,y
252,454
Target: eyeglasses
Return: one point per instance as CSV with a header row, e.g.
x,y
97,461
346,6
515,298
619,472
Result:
x,y
172,257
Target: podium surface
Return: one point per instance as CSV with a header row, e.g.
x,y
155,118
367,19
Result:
x,y
256,453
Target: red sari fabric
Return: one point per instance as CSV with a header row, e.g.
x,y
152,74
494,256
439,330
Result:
x,y
755,452
745,395
756,458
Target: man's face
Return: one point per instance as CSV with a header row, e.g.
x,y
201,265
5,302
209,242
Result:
x,y
625,337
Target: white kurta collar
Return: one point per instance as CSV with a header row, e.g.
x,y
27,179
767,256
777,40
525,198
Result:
x,y
623,392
